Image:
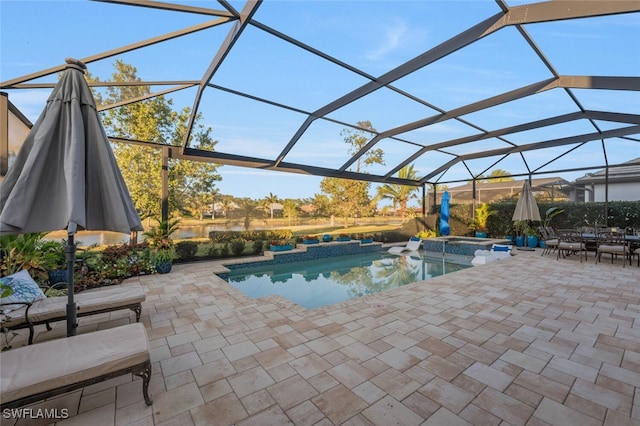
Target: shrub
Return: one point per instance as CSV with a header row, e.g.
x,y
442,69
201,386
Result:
x,y
224,251
186,250
237,247
257,247
213,251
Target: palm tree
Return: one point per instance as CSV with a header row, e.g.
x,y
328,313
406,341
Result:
x,y
399,194
498,175
249,207
270,200
226,204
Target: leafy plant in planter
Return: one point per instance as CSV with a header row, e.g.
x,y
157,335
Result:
x,y
24,251
479,223
55,260
280,245
163,250
550,214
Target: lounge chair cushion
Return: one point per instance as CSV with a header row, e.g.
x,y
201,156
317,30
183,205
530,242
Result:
x,y
412,245
107,298
42,367
24,290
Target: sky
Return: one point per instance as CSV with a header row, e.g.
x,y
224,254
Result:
x,y
375,36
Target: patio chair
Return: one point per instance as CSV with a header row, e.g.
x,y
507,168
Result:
x,y
550,239
413,244
54,309
570,242
36,372
613,243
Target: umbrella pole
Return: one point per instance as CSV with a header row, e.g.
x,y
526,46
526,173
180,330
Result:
x,y
71,305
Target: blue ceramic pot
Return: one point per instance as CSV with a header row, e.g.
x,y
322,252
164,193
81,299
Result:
x,y
163,267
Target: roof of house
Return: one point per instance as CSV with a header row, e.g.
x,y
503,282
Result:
x,y
491,191
628,172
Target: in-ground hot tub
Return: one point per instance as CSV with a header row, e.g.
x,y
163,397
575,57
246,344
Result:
x,y
465,246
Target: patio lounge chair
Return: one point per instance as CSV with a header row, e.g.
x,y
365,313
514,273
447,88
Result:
x,y
91,302
413,244
36,372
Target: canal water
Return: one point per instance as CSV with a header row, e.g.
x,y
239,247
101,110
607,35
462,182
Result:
x,y
103,238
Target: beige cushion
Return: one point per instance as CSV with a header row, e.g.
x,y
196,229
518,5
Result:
x,y
606,248
32,369
109,298
566,245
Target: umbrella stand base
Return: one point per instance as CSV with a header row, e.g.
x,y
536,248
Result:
x,y
72,323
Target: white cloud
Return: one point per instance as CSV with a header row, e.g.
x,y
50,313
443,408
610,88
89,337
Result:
x,y
393,38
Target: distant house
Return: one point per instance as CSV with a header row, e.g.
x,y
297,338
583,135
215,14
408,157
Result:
x,y
553,188
623,184
18,127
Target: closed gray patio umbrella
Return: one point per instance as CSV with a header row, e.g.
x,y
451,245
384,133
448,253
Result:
x,y
66,176
526,208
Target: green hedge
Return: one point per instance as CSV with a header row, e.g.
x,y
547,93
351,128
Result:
x,y
217,237
623,214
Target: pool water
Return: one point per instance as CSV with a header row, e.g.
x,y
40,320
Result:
x,y
316,283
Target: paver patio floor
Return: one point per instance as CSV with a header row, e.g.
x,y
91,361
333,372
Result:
x,y
529,340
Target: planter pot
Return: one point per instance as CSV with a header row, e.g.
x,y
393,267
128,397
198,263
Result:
x,y
542,244
163,267
480,234
310,241
510,238
366,240
519,241
58,276
281,248
326,238
532,241
343,239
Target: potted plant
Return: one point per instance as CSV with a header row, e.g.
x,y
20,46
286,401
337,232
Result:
x,y
366,239
550,214
532,237
55,256
343,237
280,245
479,222
520,227
310,239
163,250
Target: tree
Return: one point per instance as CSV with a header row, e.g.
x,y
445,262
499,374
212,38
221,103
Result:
x,y
154,120
249,208
290,209
270,200
357,139
226,203
399,195
192,183
497,175
350,198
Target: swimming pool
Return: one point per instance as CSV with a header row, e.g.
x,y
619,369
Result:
x,y
316,283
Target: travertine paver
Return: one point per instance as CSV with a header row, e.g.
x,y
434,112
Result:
x,y
529,340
